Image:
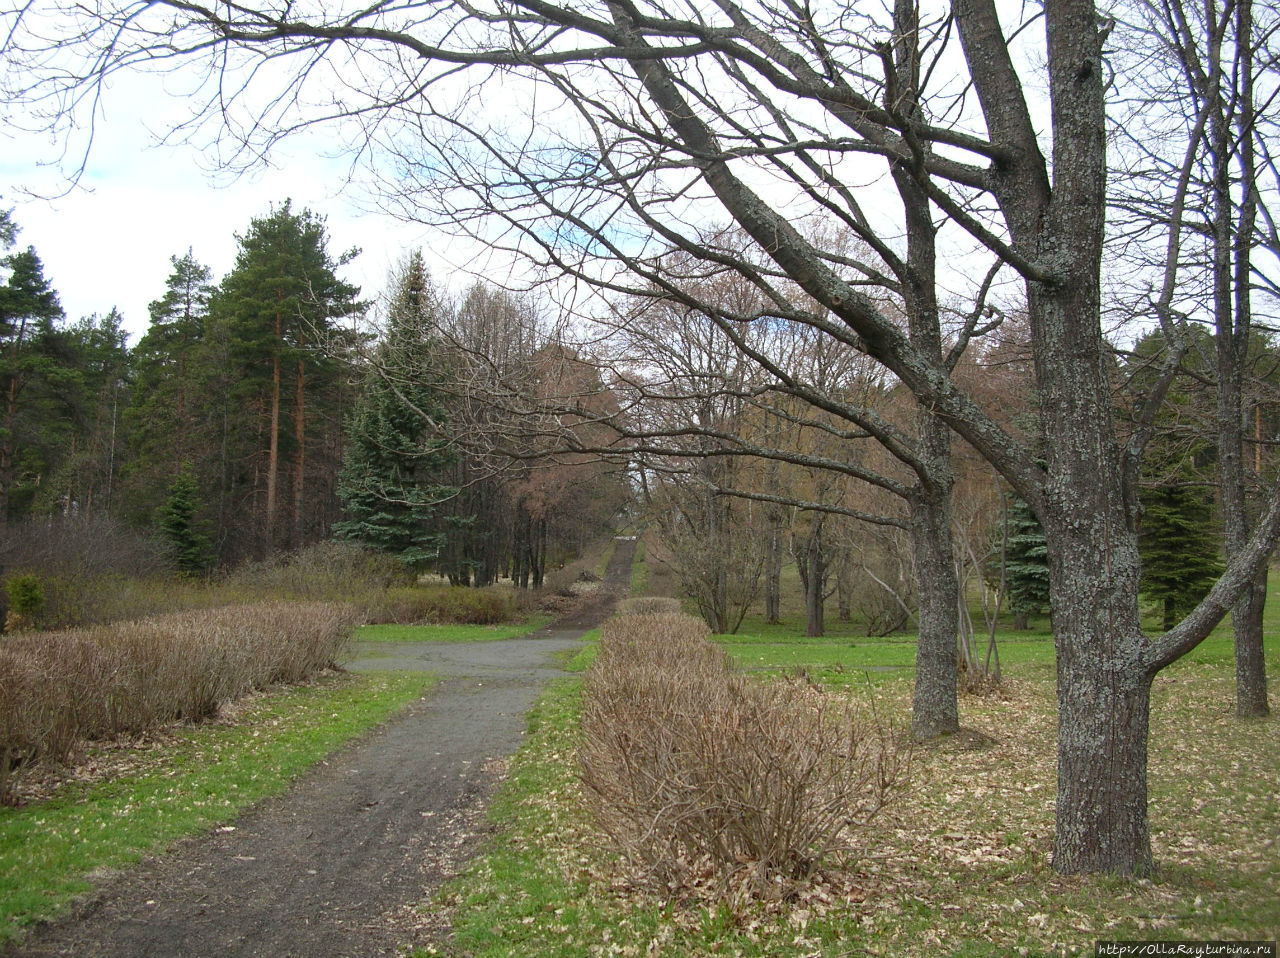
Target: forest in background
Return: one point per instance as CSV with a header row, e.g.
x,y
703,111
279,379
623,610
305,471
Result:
x,y
260,414
277,408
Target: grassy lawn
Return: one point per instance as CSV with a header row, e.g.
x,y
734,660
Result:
x,y
451,633
959,864
181,783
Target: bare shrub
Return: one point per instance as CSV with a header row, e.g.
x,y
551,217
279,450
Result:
x,y
649,605
883,582
320,571
693,767
90,570
446,604
571,579
78,547
59,687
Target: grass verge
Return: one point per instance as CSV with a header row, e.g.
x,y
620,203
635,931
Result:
x,y
581,660
514,900
639,584
451,633
959,865
179,784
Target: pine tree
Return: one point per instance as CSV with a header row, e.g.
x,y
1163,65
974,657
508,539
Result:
x,y
171,418
29,370
276,308
91,388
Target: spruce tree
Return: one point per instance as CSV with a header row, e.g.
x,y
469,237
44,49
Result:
x,y
185,532
1026,563
1179,537
1178,542
391,484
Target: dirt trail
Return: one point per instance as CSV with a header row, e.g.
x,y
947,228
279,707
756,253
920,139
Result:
x,y
332,868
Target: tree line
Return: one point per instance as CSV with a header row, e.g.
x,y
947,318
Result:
x,y
262,413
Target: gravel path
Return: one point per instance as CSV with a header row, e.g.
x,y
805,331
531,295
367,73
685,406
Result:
x,y
332,868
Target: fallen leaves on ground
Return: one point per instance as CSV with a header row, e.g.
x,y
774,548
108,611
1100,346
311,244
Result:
x,y
960,862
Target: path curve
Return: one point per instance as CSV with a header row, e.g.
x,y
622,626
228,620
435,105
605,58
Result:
x,y
333,867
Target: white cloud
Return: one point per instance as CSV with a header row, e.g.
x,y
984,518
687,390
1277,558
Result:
x,y
108,243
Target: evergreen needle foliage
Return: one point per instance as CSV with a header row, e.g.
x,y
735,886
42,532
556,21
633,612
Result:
x,y
189,544
390,482
1026,558
1179,545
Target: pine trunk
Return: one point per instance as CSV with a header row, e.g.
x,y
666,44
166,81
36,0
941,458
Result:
x,y
273,442
6,446
299,457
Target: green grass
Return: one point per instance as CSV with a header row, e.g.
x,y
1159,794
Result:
x,y
639,584
199,778
581,660
511,903
959,865
846,656
451,633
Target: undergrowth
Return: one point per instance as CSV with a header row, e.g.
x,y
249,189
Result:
x,y
58,689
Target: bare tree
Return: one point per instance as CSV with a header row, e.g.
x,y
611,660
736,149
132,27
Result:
x,y
1189,202
745,380
643,120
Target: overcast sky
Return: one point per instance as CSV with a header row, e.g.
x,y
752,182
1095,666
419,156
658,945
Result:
x,y
108,242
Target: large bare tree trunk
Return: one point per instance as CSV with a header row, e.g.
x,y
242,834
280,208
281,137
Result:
x,y
1234,312
1103,683
773,575
815,581
935,705
1103,676
935,708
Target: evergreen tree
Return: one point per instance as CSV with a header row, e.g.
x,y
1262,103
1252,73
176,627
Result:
x,y
189,545
1178,542
390,483
30,370
92,387
276,309
1178,538
172,416
1026,563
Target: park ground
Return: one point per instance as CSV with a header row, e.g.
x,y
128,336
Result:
x,y
959,862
